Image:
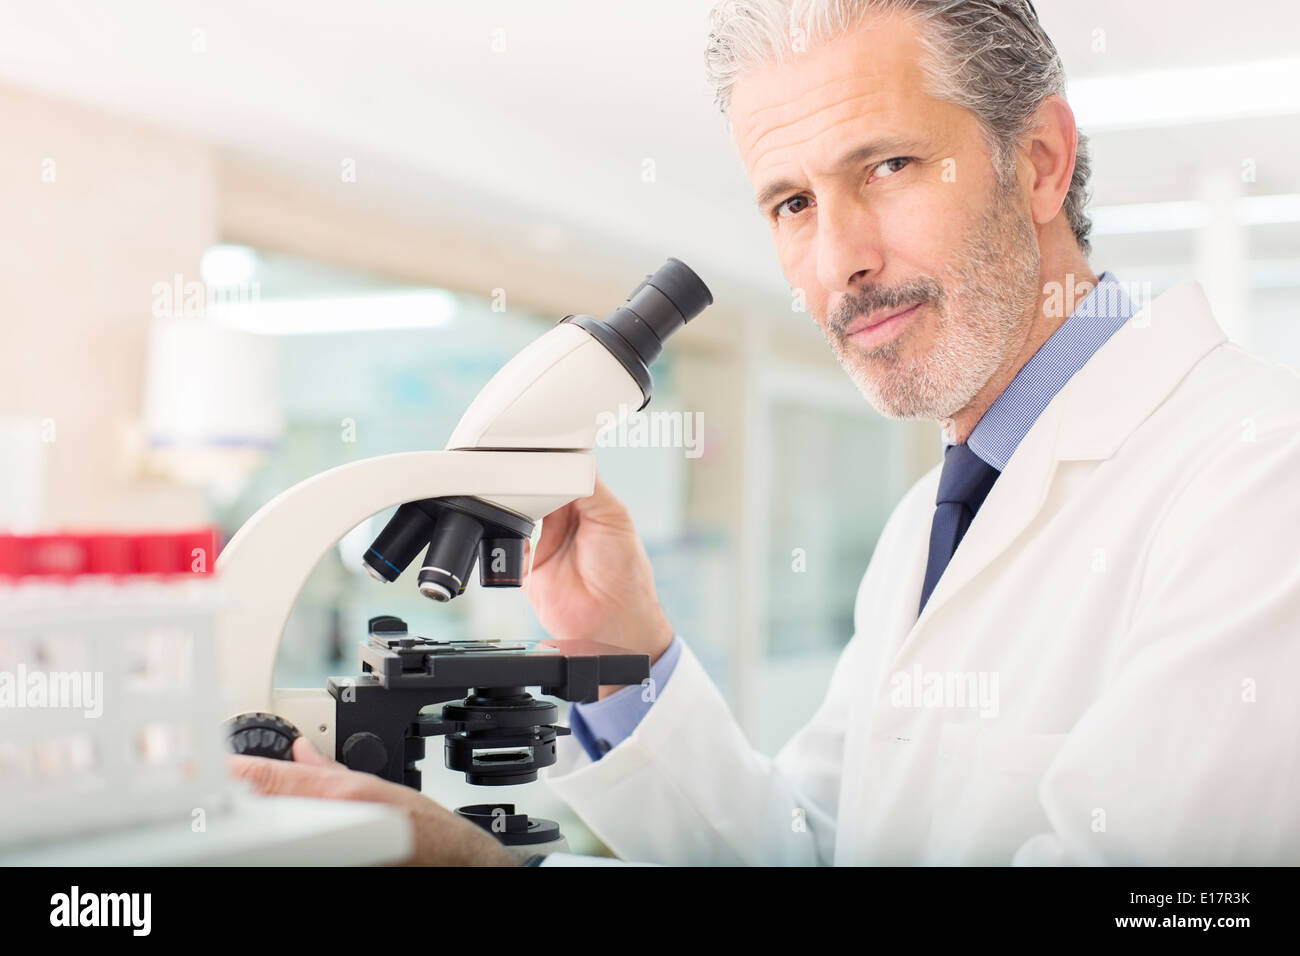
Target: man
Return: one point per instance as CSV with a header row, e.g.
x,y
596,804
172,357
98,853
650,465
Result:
x,y
1076,638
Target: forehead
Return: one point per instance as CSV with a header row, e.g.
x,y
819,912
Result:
x,y
866,83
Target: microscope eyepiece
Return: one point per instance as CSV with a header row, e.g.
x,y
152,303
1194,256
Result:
x,y
683,288
658,307
635,332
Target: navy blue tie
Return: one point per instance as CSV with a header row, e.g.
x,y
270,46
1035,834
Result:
x,y
964,483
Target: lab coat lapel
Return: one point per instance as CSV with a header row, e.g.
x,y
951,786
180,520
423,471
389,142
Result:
x,y
1133,373
1101,405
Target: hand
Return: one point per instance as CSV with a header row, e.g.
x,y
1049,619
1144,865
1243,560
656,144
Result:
x,y
441,837
591,579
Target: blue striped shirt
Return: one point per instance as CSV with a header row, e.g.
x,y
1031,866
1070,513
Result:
x,y
601,725
1001,429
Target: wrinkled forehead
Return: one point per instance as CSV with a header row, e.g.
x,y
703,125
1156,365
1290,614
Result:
x,y
861,83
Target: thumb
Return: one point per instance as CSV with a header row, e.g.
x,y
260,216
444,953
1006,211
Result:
x,y
602,505
284,777
304,751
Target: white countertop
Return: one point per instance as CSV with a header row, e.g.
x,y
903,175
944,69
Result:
x,y
254,831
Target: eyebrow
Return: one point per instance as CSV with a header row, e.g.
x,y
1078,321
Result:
x,y
882,148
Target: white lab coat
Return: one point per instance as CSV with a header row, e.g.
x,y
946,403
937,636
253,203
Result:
x,y
1132,580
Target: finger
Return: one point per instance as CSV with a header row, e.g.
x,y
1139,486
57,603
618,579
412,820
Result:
x,y
602,505
304,751
283,777
555,532
600,495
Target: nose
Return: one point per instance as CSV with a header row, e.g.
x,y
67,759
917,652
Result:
x,y
848,246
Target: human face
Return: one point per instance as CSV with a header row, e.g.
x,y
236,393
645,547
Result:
x,y
920,264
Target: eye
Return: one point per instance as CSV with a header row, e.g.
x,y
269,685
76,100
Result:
x,y
792,206
890,166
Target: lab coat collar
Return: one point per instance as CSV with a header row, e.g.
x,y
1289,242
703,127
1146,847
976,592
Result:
x,y
1134,372
1123,383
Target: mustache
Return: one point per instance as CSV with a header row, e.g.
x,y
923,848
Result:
x,y
867,300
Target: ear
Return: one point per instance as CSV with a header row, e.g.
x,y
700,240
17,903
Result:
x,y
1050,149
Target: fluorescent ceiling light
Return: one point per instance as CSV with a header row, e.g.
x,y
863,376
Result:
x,y
1265,210
1182,215
1265,274
1139,217
1201,94
358,313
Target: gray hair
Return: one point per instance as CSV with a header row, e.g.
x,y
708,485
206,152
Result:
x,y
991,57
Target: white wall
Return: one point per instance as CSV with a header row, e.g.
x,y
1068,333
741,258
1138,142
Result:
x,y
97,211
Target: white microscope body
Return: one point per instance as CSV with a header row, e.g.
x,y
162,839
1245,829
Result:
x,y
523,449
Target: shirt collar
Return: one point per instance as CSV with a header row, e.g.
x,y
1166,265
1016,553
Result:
x,y
1000,430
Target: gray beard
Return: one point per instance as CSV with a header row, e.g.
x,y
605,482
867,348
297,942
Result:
x,y
985,305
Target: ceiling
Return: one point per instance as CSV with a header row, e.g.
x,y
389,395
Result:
x,y
537,120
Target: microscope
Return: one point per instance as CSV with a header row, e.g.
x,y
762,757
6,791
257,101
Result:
x,y
521,450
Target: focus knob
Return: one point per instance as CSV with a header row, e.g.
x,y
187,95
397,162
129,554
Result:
x,y
262,735
366,752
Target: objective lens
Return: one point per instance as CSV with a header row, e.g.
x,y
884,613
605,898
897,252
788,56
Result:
x,y
405,534
450,557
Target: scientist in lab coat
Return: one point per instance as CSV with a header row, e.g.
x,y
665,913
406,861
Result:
x,y
1078,639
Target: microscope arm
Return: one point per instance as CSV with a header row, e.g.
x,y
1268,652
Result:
x,y
266,564
542,406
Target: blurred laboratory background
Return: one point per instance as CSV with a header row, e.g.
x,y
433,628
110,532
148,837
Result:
x,y
245,242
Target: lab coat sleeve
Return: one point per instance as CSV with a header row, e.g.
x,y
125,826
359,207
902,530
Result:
x,y
1190,757
686,788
